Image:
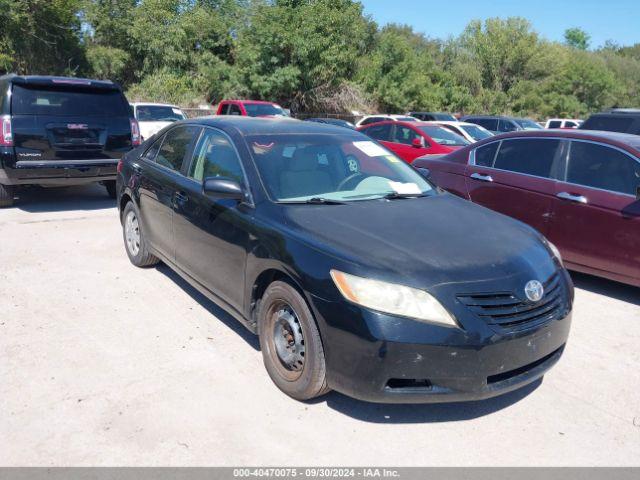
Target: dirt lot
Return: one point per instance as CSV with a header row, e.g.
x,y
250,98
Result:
x,y
102,363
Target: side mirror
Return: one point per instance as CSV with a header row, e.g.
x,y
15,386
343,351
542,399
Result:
x,y
425,172
222,188
417,142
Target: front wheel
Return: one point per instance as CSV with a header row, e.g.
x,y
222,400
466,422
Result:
x,y
290,342
134,241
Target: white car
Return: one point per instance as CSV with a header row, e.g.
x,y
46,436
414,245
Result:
x,y
563,123
368,119
153,117
469,131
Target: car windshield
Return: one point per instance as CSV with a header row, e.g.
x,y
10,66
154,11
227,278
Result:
x,y
301,168
158,113
263,109
528,124
445,117
476,132
443,136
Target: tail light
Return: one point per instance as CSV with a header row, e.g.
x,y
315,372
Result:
x,y
136,140
120,165
6,139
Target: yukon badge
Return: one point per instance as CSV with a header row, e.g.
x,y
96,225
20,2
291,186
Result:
x,y
534,290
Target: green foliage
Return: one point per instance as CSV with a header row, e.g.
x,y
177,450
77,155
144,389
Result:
x,y
314,55
577,38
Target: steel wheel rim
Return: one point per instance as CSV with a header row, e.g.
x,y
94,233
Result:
x,y
287,340
132,233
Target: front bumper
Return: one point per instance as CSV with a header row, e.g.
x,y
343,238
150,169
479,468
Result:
x,y
386,359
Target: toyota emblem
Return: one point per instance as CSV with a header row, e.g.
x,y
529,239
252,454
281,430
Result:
x,y
534,290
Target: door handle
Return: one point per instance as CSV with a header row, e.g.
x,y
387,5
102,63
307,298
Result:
x,y
482,178
573,198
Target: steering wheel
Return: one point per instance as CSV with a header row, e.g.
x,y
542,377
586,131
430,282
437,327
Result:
x,y
350,178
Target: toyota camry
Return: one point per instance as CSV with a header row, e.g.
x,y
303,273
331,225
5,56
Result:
x,y
357,274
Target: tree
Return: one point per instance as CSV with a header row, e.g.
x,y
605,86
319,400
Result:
x,y
577,38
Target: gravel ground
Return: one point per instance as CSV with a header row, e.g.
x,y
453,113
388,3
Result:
x,y
102,363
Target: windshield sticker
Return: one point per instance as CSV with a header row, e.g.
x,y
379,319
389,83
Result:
x,y
405,188
371,149
176,111
392,159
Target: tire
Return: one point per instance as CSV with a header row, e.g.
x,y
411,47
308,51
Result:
x,y
294,359
134,241
6,195
111,188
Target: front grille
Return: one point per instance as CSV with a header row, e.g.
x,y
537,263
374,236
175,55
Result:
x,y
508,311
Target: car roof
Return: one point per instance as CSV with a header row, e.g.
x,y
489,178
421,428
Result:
x,y
626,139
153,104
266,126
55,80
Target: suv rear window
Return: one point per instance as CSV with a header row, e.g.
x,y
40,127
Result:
x,y
610,123
67,102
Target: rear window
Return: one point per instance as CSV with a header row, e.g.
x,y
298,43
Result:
x,y
66,102
617,123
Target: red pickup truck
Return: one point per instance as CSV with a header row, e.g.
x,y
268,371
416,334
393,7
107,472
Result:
x,y
250,108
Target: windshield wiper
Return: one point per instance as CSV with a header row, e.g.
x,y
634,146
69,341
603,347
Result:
x,y
396,195
317,201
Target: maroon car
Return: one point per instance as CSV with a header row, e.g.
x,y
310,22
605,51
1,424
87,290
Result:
x,y
579,188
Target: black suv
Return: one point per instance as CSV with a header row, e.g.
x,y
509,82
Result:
x,y
62,131
624,120
433,116
499,124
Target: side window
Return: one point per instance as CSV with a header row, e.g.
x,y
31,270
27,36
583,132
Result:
x,y
404,135
152,151
568,124
177,142
234,109
602,167
486,154
379,132
507,126
529,156
488,123
225,109
556,124
214,156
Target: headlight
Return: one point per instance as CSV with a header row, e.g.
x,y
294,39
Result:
x,y
555,251
391,298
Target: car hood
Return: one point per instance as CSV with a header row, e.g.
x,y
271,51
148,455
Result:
x,y
423,241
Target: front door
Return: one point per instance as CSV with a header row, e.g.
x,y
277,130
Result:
x,y
515,177
596,224
212,235
402,143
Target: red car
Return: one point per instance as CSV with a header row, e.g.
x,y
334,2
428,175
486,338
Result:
x,y
579,188
410,140
250,108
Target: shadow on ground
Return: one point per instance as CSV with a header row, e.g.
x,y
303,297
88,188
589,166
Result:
x,y
35,199
609,288
214,309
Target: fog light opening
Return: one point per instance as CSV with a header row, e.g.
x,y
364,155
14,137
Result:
x,y
408,384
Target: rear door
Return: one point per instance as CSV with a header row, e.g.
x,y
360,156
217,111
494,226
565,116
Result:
x,y
73,124
516,177
597,216
160,173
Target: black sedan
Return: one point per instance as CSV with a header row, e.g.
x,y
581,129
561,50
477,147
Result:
x,y
357,274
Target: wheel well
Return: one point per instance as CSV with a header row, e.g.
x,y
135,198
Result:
x,y
263,281
123,203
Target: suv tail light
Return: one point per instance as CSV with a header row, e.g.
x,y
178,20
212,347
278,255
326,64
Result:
x,y
6,139
136,140
120,165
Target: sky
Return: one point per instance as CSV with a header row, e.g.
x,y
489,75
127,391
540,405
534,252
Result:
x,y
617,20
